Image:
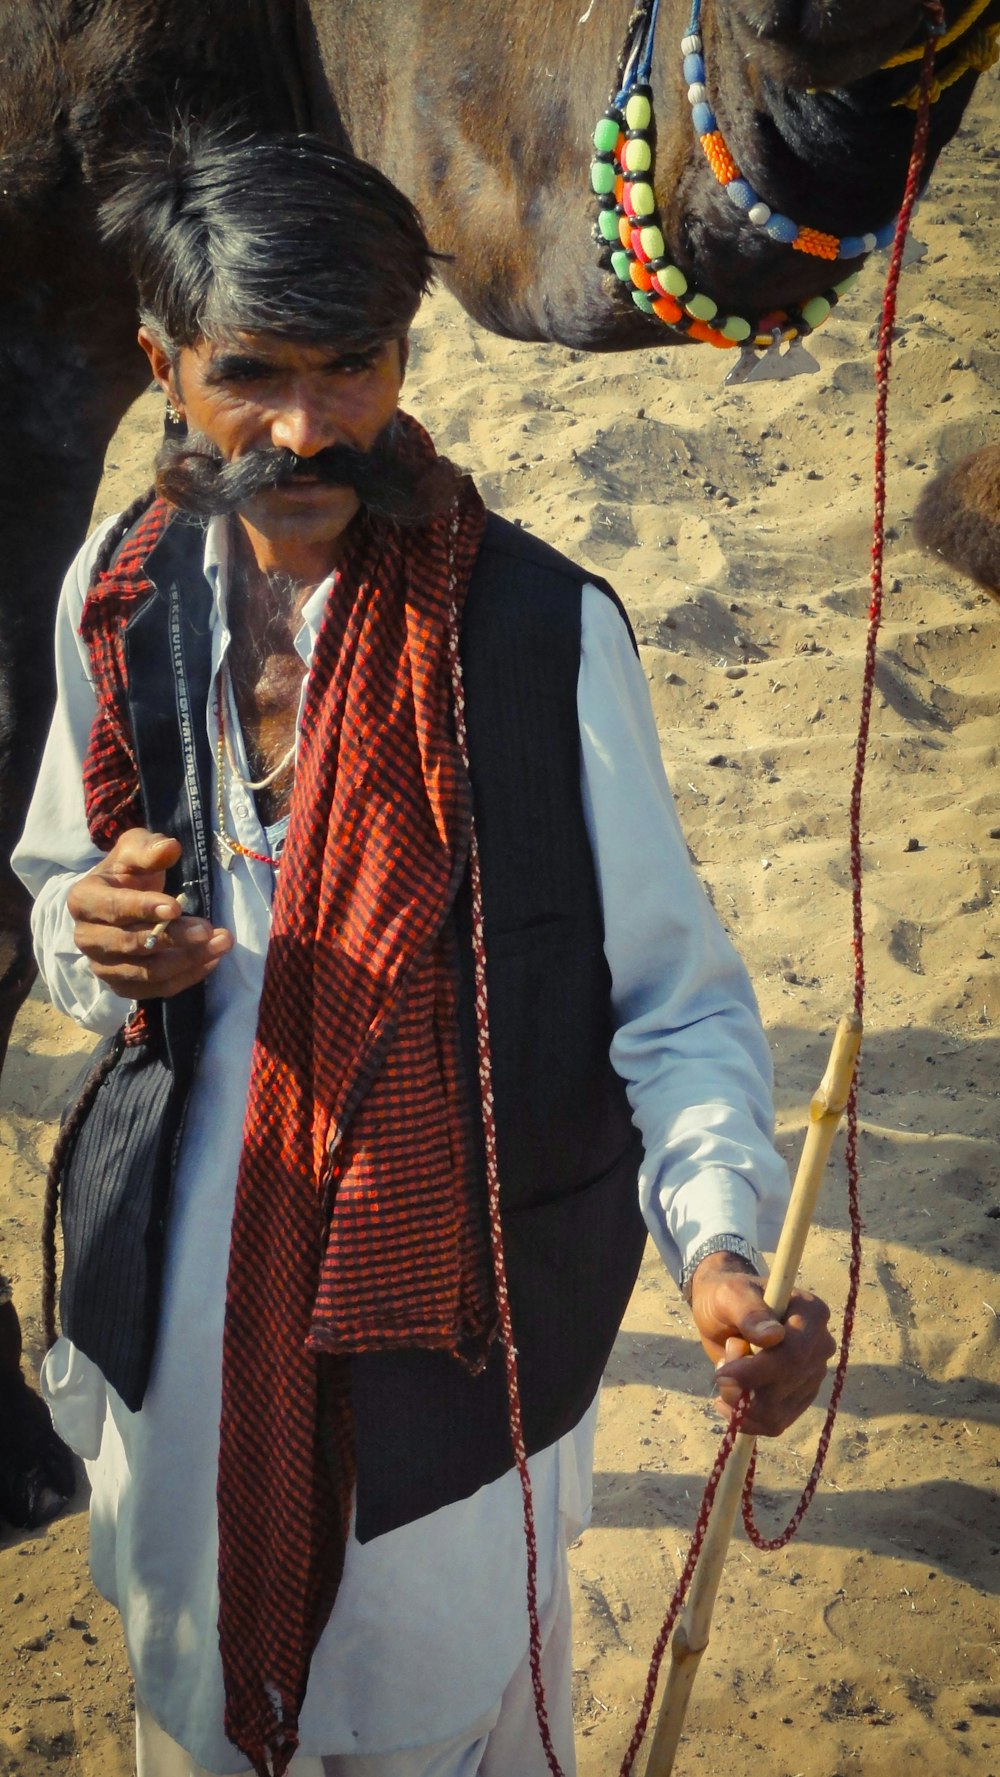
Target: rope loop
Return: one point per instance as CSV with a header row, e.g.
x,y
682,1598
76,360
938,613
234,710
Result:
x,y
918,156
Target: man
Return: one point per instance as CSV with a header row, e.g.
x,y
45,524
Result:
x,y
354,793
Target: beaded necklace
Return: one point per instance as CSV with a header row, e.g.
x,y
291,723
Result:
x,y
223,756
740,192
628,220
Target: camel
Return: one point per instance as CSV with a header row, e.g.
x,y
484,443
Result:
x,y
958,517
36,1469
781,135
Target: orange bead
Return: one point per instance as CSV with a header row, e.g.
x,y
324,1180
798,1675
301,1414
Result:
x,y
666,308
625,231
640,276
719,158
701,331
814,241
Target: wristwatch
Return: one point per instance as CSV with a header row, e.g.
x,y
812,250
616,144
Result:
x,y
719,1243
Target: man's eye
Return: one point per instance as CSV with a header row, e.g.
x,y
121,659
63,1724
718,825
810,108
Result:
x,y
247,373
238,370
353,364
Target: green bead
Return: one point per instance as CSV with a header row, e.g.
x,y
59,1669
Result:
x,y
815,310
606,135
653,244
602,177
847,284
607,222
642,301
736,328
638,112
620,265
702,308
638,156
643,198
673,280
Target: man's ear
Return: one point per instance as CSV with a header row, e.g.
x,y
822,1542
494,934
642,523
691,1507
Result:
x,y
404,354
161,364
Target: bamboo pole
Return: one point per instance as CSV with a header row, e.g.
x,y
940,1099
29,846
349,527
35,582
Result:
x,y
690,1637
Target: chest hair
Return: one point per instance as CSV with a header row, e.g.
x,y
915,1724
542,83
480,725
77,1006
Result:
x,y
265,612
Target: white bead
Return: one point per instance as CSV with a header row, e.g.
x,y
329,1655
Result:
x,y
691,46
760,214
697,94
870,242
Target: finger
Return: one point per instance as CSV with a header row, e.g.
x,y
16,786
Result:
x,y
732,1302
100,900
768,1416
779,1368
130,982
771,1409
758,1325
775,1404
114,942
806,1339
140,851
160,977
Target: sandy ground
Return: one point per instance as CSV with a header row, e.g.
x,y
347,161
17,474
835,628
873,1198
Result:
x,y
735,523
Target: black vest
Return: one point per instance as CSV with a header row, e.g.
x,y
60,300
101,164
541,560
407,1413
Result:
x,y
427,1433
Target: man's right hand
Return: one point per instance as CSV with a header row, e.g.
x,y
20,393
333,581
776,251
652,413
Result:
x,y
116,906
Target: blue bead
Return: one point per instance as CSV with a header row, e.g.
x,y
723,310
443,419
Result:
x,y
703,118
851,247
741,194
782,228
885,235
694,70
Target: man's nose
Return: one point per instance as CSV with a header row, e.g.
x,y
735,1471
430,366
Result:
x,y
304,424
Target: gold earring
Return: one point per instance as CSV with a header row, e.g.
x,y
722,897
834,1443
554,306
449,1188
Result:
x,y
173,414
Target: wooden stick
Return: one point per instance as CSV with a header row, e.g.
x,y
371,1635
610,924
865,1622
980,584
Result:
x,y
690,1638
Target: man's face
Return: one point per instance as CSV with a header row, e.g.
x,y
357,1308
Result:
x,y
260,390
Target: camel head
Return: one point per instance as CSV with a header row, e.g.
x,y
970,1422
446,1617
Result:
x,y
786,157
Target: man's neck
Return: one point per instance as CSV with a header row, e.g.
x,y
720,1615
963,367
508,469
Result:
x,y
292,550
264,614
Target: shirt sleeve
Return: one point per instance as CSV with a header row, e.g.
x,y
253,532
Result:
x,y
56,849
689,1043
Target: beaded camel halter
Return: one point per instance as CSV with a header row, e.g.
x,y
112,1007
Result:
x,y
628,219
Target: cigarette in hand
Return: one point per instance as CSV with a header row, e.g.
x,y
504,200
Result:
x,y
163,925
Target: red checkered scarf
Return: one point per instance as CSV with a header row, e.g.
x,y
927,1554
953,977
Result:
x,y
355,1226
112,797
110,774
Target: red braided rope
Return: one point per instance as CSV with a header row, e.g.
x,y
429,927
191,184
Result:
x,y
496,1233
883,361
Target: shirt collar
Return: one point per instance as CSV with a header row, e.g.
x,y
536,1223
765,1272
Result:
x,y
217,567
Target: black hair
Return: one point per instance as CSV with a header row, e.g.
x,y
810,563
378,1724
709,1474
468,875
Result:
x,y
278,234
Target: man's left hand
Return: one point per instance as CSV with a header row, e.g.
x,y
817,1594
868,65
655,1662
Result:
x,y
784,1372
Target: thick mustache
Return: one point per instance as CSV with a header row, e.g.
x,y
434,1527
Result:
x,y
192,474
209,485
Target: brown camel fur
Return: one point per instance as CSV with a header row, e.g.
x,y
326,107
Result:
x,y
958,517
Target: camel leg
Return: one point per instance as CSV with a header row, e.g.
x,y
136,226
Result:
x,y
37,1476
